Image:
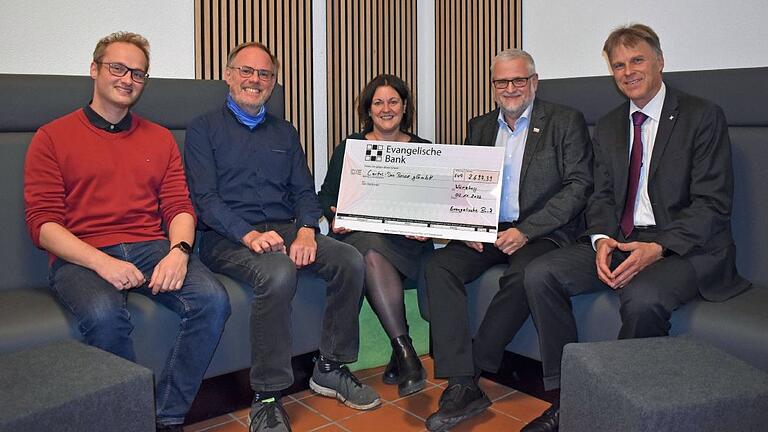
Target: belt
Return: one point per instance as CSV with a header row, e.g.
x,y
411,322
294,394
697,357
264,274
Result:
x,y
644,228
278,221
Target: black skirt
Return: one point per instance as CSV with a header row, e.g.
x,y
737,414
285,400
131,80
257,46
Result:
x,y
404,254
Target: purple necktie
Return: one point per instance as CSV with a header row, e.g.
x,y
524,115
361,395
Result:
x,y
635,162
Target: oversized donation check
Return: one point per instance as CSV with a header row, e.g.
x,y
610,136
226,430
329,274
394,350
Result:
x,y
430,190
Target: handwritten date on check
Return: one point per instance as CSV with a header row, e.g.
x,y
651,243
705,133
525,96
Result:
x,y
429,190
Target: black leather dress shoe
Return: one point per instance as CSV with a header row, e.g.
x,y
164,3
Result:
x,y
548,421
457,403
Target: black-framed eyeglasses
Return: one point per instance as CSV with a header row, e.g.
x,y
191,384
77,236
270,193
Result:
x,y
247,72
119,70
516,82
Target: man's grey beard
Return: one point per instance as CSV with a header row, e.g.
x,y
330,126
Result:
x,y
518,112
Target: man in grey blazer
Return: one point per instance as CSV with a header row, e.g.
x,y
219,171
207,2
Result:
x,y
658,223
547,179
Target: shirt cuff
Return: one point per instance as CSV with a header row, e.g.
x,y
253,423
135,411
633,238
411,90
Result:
x,y
594,238
239,231
308,222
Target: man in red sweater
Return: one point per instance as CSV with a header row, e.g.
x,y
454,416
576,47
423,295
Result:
x,y
99,183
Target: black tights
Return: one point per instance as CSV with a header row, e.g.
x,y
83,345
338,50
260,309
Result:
x,y
384,291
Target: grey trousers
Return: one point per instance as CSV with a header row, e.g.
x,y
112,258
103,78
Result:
x,y
273,277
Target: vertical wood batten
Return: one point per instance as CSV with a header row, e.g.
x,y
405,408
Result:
x,y
365,38
468,35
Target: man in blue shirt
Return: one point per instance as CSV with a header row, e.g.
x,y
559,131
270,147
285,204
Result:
x,y
257,205
547,178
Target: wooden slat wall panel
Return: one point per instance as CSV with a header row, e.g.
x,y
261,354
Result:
x,y
469,33
365,38
285,26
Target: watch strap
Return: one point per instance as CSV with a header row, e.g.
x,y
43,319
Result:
x,y
183,246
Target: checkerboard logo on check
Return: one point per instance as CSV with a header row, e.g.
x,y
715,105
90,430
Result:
x,y
373,152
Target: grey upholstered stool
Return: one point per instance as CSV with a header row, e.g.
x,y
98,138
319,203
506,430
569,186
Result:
x,y
69,386
659,384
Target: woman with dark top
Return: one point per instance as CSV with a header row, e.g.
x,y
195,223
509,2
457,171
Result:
x,y
385,108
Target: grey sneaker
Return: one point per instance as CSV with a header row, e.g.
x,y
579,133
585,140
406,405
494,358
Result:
x,y
344,386
269,416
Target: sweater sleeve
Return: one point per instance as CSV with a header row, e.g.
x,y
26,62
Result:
x,y
43,186
174,195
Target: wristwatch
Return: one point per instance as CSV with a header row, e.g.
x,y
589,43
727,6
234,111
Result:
x,y
312,227
183,246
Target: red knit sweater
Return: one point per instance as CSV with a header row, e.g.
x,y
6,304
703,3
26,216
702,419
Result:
x,y
105,188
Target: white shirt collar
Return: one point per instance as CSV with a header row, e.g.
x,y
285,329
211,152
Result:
x,y
653,108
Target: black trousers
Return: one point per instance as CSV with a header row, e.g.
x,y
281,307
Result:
x,y
448,269
647,301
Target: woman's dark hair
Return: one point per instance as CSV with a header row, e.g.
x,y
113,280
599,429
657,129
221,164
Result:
x,y
365,100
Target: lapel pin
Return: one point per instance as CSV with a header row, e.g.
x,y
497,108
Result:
x,y
535,130
671,117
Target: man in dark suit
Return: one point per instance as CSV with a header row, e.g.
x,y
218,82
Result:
x,y
658,224
546,181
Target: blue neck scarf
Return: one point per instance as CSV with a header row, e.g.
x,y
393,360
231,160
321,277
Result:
x,y
243,117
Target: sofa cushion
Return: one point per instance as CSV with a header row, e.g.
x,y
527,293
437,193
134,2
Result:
x,y
738,326
750,208
32,317
27,264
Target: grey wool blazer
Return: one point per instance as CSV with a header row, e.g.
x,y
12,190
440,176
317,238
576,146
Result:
x,y
556,174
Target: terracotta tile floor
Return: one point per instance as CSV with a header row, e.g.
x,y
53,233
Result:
x,y
510,411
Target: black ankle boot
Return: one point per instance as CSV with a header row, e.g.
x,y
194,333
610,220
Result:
x,y
411,375
390,372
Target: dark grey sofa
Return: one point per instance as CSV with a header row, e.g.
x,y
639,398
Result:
x,y
739,325
29,315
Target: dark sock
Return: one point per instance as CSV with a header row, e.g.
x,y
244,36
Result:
x,y
554,396
265,396
463,380
478,371
325,365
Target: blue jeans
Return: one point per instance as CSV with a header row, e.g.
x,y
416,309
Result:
x,y
273,277
105,322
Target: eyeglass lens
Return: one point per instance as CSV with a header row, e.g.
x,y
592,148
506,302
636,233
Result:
x,y
119,70
516,82
247,72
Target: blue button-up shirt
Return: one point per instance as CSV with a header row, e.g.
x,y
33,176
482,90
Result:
x,y
513,140
239,177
